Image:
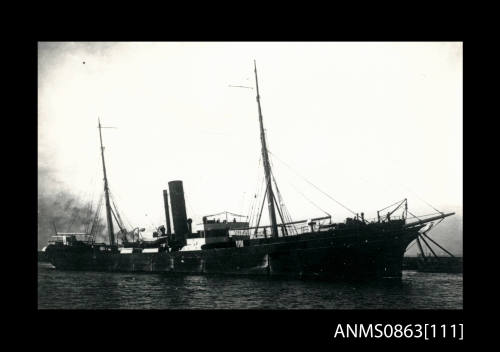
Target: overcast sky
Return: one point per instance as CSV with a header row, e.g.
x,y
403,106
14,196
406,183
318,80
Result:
x,y
368,123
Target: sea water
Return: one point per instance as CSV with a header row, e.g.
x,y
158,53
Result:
x,y
100,290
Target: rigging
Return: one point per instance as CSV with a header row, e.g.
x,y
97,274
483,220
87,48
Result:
x,y
326,194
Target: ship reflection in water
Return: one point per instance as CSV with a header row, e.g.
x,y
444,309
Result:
x,y
101,290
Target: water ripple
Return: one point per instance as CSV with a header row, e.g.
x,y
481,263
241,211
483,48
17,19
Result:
x,y
99,290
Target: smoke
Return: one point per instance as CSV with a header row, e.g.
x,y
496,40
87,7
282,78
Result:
x,y
60,207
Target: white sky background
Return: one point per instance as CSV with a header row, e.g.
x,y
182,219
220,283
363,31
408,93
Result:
x,y
368,123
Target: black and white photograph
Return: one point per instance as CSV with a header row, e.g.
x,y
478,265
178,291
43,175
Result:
x,y
250,175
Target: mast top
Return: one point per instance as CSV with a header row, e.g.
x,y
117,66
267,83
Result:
x,y
266,163
106,192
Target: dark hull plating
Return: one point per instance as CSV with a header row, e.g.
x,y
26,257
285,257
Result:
x,y
319,255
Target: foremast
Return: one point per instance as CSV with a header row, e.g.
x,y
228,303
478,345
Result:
x,y
106,194
267,166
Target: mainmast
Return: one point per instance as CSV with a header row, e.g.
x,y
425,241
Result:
x,y
106,195
267,166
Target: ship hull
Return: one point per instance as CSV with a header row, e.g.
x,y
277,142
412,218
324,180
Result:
x,y
325,255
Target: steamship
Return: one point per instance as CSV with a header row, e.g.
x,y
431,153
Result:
x,y
315,248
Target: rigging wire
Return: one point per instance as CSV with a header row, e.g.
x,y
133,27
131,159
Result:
x,y
93,197
423,200
284,208
310,201
256,196
326,194
120,200
260,212
91,226
284,231
292,226
398,202
190,207
226,212
425,232
411,245
281,204
95,224
150,221
118,218
256,201
439,221
405,187
288,218
413,217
